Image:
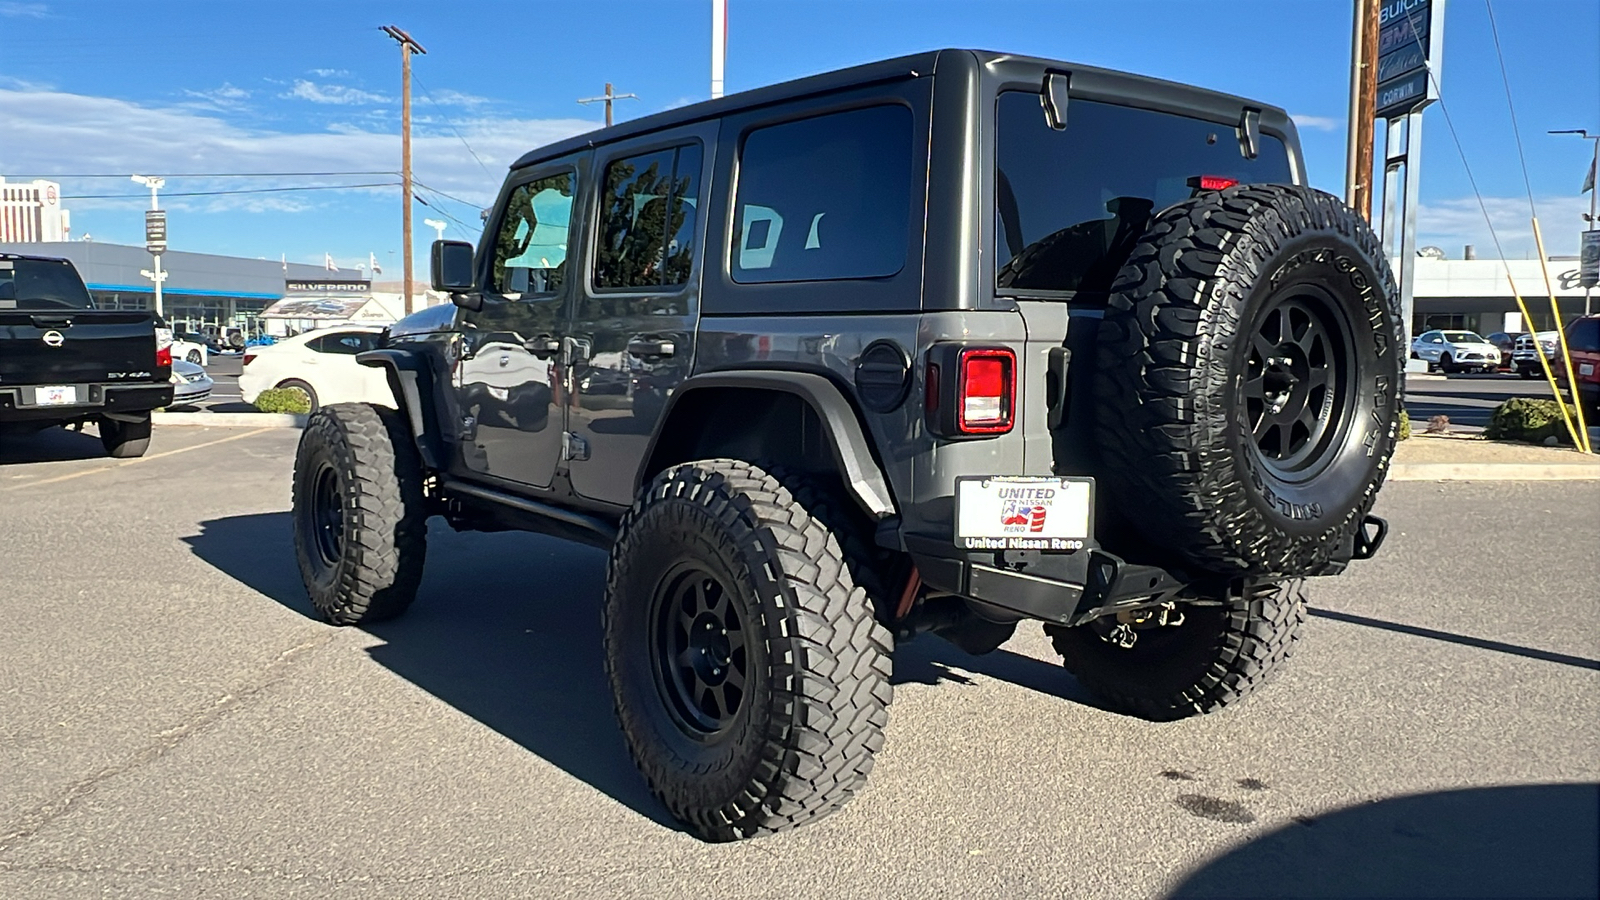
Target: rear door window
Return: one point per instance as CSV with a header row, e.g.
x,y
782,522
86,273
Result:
x,y
824,198
1070,204
41,284
347,343
647,220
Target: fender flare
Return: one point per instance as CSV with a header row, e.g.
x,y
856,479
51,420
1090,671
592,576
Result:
x,y
412,382
847,440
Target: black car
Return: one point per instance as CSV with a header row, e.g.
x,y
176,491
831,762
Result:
x,y
940,344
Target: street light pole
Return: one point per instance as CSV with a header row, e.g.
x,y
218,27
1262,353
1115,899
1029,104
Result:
x,y
157,276
407,47
1594,199
437,226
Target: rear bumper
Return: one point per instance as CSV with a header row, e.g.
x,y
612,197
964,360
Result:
x,y
17,402
1072,588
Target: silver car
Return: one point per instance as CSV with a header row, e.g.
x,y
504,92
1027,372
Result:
x,y
190,383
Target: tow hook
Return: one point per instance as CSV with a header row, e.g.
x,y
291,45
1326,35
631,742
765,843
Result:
x,y
1124,635
1369,537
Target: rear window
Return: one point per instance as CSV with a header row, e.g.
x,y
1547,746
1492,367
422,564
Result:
x,y
41,284
824,198
1070,204
1584,335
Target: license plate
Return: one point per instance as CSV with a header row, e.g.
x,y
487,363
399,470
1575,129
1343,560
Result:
x,y
56,395
1024,513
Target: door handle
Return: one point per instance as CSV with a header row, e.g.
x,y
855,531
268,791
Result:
x,y
642,347
544,346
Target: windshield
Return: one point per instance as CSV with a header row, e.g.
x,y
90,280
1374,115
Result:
x,y
41,284
1071,204
1464,337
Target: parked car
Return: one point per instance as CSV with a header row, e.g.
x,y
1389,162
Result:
x,y
1456,351
190,383
190,348
63,362
1505,342
1525,358
320,363
1583,344
896,387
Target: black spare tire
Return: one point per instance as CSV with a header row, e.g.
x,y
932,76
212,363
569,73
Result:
x,y
1250,364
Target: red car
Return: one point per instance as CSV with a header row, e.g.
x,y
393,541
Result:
x,y
1583,342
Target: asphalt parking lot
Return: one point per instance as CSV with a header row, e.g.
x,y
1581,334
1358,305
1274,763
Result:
x,y
174,723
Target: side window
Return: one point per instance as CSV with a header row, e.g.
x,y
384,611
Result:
x,y
348,343
824,198
647,220
530,248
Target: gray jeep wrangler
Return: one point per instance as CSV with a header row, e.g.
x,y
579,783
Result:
x,y
936,344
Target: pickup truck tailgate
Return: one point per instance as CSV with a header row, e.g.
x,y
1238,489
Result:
x,y
75,346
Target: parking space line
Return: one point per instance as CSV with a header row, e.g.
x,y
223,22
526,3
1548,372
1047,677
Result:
x,y
124,463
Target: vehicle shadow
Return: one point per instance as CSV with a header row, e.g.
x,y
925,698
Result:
x,y
1505,841
506,629
50,445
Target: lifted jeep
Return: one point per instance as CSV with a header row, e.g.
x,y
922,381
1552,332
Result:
x,y
936,344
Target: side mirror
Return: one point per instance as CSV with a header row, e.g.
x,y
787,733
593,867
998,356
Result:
x,y
451,267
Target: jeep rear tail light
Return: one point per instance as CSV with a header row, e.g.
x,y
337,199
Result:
x,y
1212,182
971,391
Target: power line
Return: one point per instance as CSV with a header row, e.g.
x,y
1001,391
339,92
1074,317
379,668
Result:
x,y
447,121
273,190
477,206
217,174
1515,131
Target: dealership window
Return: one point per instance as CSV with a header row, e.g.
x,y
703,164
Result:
x,y
824,198
647,220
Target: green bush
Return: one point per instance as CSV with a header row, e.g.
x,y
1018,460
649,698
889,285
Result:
x,y
283,400
1405,425
1527,419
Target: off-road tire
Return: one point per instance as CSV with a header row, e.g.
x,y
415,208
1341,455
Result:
x,y
362,456
1182,347
799,742
125,440
295,384
1214,659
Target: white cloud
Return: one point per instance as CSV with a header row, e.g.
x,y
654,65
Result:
x,y
1455,222
54,131
332,93
15,10
448,97
226,97
1320,123
331,73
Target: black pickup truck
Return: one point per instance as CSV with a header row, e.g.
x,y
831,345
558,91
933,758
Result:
x,y
63,362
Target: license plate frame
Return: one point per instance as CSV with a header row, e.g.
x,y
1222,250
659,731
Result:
x,y
55,395
1058,511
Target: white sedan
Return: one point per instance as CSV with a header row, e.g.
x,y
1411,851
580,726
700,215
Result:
x,y
1456,351
322,364
190,351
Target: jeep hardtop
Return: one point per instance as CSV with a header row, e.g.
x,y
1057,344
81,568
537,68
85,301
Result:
x,y
936,344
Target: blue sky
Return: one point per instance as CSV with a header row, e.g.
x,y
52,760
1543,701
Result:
x,y
160,86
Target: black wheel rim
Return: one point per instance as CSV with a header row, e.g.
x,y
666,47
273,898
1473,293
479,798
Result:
x,y
327,516
700,650
1298,387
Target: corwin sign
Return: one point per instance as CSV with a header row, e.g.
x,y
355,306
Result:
x,y
1407,33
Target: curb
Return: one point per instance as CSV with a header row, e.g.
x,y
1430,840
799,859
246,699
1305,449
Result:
x,y
230,420
1494,472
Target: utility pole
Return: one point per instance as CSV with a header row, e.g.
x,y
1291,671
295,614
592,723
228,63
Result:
x,y
155,235
719,44
608,97
1363,107
1594,202
407,47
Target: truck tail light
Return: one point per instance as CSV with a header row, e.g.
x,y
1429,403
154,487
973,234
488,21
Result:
x,y
163,348
971,391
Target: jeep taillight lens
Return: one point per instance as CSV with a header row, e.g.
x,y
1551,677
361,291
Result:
x,y
987,398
